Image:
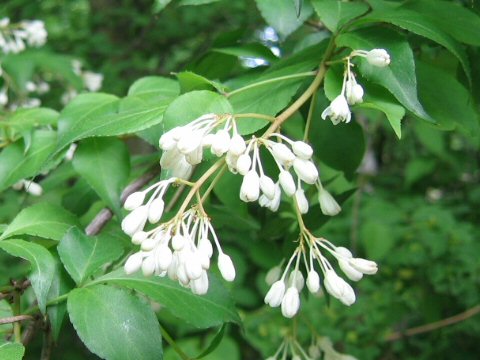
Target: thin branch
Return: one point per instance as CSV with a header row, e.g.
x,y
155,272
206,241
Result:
x,y
104,216
14,319
435,325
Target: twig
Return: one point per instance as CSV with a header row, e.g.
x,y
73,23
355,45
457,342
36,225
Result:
x,y
173,344
13,319
435,325
104,216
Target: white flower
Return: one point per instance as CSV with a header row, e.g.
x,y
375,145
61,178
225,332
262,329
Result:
x,y
313,281
275,295
35,32
33,188
155,210
287,182
353,91
148,265
306,170
237,145
339,288
225,265
350,271
328,204
296,279
282,153
267,186
301,200
364,266
134,200
244,163
135,221
221,142
273,275
302,150
250,190
378,57
338,110
133,263
3,97
92,81
290,302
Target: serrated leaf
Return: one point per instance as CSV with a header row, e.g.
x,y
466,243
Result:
x,y
82,255
189,106
43,220
12,351
421,25
16,165
157,86
105,164
43,266
399,77
190,81
212,309
126,331
282,15
25,119
334,14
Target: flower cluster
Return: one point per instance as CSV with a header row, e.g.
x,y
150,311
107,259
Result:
x,y
14,38
352,92
91,81
180,248
285,289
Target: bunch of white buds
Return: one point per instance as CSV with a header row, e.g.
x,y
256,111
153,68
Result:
x,y
183,145
30,187
285,291
14,38
180,248
352,92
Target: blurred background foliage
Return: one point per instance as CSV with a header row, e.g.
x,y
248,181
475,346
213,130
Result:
x,y
415,212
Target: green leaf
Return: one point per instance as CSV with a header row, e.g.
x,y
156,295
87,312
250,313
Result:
x,y
82,255
15,164
282,15
272,96
159,5
189,106
334,14
253,50
61,284
212,309
105,164
421,25
214,343
399,77
25,119
196,2
43,266
465,27
43,220
115,324
189,81
12,351
154,86
446,99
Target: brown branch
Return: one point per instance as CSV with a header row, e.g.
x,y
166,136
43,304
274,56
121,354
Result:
x,y
14,319
104,216
435,325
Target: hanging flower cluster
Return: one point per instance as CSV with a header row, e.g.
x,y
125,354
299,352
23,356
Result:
x,y
285,289
352,92
14,38
180,248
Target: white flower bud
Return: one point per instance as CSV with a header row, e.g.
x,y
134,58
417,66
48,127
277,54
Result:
x,y
200,286
172,268
195,157
204,260
178,242
133,263
301,200
378,57
231,161
155,211
244,163
30,86
208,139
237,145
273,275
339,288
181,169
148,244
221,142
189,141
170,158
306,170
290,302
328,205
134,200
182,275
148,265
193,267
267,186
302,150
314,352
205,246
225,265
364,266
297,276
71,152
338,110
250,189
135,221
139,237
351,272
354,92
313,281
282,153
274,296
287,182
275,203
167,141
33,188
164,257
344,252
3,98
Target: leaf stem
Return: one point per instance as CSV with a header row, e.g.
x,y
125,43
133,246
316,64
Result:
x,y
254,115
173,344
311,109
269,81
214,182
